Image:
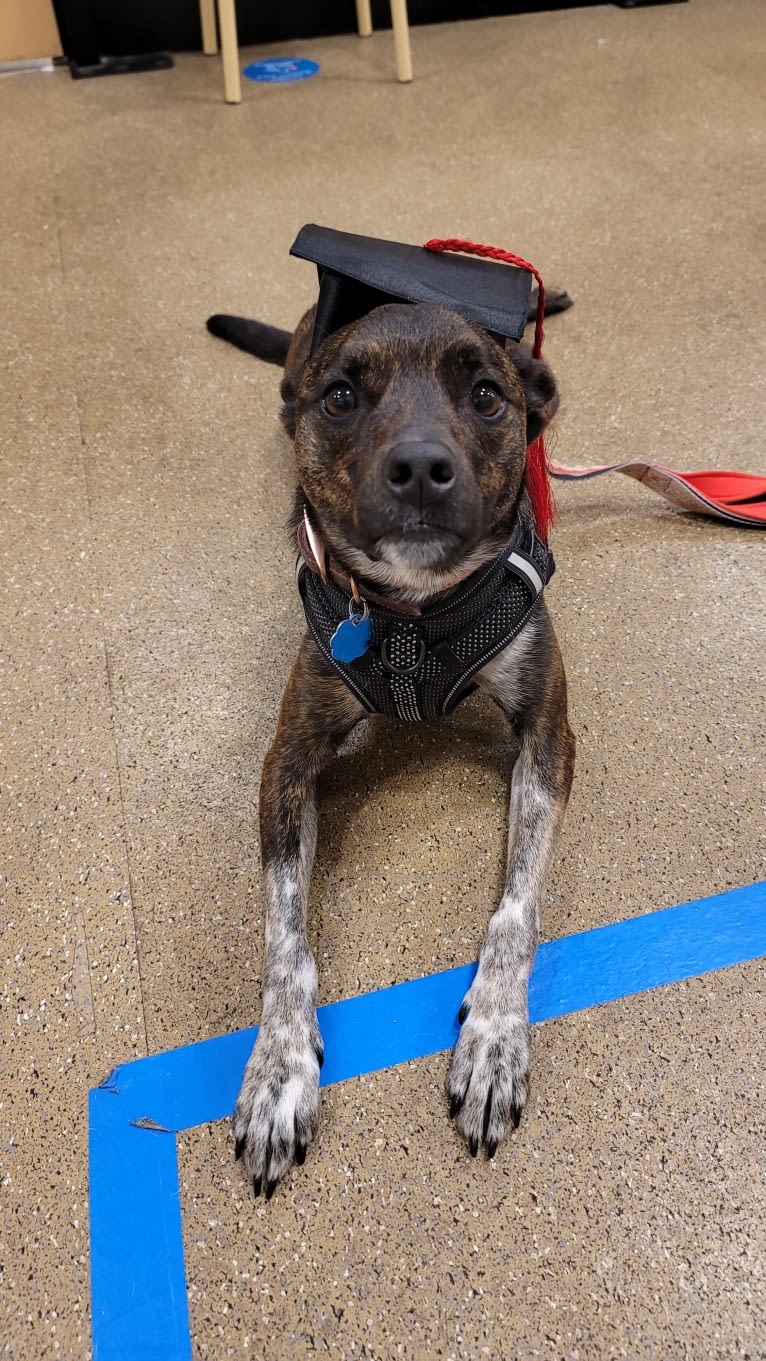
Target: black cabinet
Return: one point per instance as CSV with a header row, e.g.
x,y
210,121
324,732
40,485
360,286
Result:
x,y
136,26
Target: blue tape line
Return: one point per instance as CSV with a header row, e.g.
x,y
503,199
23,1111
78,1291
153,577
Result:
x,y
138,1279
140,1309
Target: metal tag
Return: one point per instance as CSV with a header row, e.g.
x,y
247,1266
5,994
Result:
x,y
352,636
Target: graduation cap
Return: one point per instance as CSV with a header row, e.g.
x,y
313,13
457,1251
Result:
x,y
358,273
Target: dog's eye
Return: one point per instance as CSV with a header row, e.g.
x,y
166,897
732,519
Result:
x,y
487,400
339,399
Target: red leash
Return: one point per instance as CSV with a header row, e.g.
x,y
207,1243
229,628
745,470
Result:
x,y
739,498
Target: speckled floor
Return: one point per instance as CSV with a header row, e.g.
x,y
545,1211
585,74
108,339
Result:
x,y
149,618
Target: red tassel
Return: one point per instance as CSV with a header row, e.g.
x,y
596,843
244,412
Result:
x,y
539,486
538,481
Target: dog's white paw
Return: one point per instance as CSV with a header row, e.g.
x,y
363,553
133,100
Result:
x,y
277,1111
488,1075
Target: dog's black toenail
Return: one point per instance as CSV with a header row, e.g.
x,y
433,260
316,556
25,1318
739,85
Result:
x,y
319,1051
492,1148
516,1116
473,1147
257,1185
300,1154
271,1188
463,1012
455,1104
239,1148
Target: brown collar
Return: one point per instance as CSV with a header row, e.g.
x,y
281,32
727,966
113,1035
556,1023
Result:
x,y
316,557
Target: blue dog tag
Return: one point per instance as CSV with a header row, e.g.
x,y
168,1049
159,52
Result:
x,y
351,638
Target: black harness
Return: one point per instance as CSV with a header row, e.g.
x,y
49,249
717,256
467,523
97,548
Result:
x,y
421,667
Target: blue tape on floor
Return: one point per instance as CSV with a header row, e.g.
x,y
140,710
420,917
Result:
x,y
140,1310
138,1278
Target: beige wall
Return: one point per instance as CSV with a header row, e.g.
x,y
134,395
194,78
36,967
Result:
x,y
27,30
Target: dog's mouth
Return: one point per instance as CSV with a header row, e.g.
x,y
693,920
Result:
x,y
419,544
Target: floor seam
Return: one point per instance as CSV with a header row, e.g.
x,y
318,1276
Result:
x,y
98,588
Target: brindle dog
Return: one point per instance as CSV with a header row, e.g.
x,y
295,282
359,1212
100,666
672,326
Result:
x,y
410,430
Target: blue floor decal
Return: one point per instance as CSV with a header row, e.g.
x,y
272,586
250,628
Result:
x,y
140,1310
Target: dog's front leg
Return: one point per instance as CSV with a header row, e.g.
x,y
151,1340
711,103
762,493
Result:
x,y
488,1076
277,1110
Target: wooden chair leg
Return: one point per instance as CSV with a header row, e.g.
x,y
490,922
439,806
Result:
x,y
363,18
401,29
227,22
209,29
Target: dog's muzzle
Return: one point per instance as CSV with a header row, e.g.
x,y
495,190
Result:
x,y
419,494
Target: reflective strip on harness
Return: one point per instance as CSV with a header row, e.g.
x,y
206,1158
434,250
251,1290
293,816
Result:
x,y
524,565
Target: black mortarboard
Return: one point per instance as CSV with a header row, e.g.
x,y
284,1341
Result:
x,y
357,273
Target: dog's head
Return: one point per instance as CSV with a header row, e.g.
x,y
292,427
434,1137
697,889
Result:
x,y
411,428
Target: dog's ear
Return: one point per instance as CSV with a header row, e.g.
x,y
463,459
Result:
x,y
295,363
287,390
540,391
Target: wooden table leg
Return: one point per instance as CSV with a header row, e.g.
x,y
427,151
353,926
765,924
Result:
x,y
227,22
209,29
401,28
363,18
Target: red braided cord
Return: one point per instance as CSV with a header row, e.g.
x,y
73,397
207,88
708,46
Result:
x,y
538,480
454,243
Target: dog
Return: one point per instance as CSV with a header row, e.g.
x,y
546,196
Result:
x,y
411,426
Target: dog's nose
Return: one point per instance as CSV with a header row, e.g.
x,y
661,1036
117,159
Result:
x,y
419,473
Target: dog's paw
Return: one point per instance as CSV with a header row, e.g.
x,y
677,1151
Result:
x,y
277,1111
488,1075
